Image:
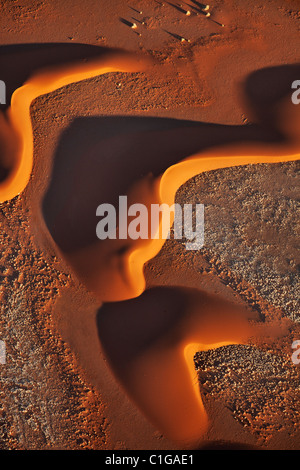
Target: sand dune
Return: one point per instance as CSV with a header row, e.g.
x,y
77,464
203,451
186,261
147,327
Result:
x,y
149,333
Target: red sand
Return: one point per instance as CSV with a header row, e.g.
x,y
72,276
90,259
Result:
x,y
209,62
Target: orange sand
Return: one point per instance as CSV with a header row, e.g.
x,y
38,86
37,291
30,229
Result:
x,y
121,277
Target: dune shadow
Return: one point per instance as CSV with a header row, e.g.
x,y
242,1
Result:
x,y
265,90
145,339
99,158
128,329
125,333
18,62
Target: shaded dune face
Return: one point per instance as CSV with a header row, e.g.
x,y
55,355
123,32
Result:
x,y
150,342
99,159
45,81
103,158
268,93
149,338
18,63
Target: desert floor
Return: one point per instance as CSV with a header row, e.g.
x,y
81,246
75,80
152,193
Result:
x,y
57,391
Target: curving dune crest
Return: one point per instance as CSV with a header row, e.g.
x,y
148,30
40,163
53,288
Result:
x,y
126,279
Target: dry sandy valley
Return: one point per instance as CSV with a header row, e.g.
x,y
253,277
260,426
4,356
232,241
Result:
x,y
88,359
